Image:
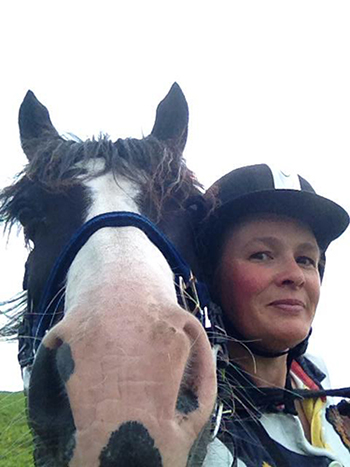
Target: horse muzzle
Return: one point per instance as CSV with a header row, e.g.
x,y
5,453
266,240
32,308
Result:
x,y
140,380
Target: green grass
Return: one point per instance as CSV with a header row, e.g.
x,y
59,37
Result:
x,y
15,438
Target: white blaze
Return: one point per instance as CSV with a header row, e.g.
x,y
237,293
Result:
x,y
115,254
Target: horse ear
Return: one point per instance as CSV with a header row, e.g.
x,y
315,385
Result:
x,y
34,124
172,118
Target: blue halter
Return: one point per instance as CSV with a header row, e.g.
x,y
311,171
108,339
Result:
x,y
50,303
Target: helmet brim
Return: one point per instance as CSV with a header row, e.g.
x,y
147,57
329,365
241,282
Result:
x,y
326,218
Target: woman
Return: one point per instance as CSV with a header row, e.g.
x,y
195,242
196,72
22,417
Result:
x,y
264,242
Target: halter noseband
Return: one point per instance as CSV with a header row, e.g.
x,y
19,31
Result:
x,y
192,295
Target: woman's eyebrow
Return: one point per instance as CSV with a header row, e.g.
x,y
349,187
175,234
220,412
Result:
x,y
268,240
310,246
273,241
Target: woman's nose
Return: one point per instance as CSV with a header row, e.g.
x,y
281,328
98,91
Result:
x,y
291,274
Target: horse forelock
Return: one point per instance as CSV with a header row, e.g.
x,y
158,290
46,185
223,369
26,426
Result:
x,y
156,166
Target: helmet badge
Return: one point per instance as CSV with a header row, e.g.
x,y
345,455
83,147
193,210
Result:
x,y
284,180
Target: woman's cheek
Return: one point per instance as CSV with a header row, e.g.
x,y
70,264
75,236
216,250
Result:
x,y
314,293
246,282
249,279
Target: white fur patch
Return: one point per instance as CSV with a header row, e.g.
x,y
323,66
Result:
x,y
110,193
115,254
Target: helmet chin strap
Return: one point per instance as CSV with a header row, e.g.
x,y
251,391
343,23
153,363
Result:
x,y
294,352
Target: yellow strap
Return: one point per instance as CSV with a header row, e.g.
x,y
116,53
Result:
x,y
313,412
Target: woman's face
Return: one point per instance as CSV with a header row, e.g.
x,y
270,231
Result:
x,y
268,280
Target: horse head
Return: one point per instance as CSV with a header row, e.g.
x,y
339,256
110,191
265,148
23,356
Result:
x,y
119,372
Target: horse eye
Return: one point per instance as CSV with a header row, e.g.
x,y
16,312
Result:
x,y
30,222
25,216
30,230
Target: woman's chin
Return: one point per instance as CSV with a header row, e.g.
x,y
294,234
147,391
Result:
x,y
285,340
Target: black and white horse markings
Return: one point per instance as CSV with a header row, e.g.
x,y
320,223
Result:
x,y
124,376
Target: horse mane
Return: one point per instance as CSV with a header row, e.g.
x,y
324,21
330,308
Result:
x,y
13,311
57,164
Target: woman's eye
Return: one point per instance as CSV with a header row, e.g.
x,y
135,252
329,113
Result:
x,y
307,261
261,256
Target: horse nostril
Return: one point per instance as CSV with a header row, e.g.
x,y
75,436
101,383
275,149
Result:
x,y
58,342
60,355
187,400
51,370
188,395
64,361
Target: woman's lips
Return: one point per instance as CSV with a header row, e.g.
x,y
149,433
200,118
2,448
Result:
x,y
289,304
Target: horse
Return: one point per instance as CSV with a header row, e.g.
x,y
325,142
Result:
x,y
118,369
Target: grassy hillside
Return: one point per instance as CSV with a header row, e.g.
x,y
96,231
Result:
x,y
15,439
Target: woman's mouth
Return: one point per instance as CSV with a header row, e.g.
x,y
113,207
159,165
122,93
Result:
x,y
291,305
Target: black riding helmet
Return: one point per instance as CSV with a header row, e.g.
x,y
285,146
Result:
x,y
261,189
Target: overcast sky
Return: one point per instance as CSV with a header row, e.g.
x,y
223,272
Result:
x,y
266,81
